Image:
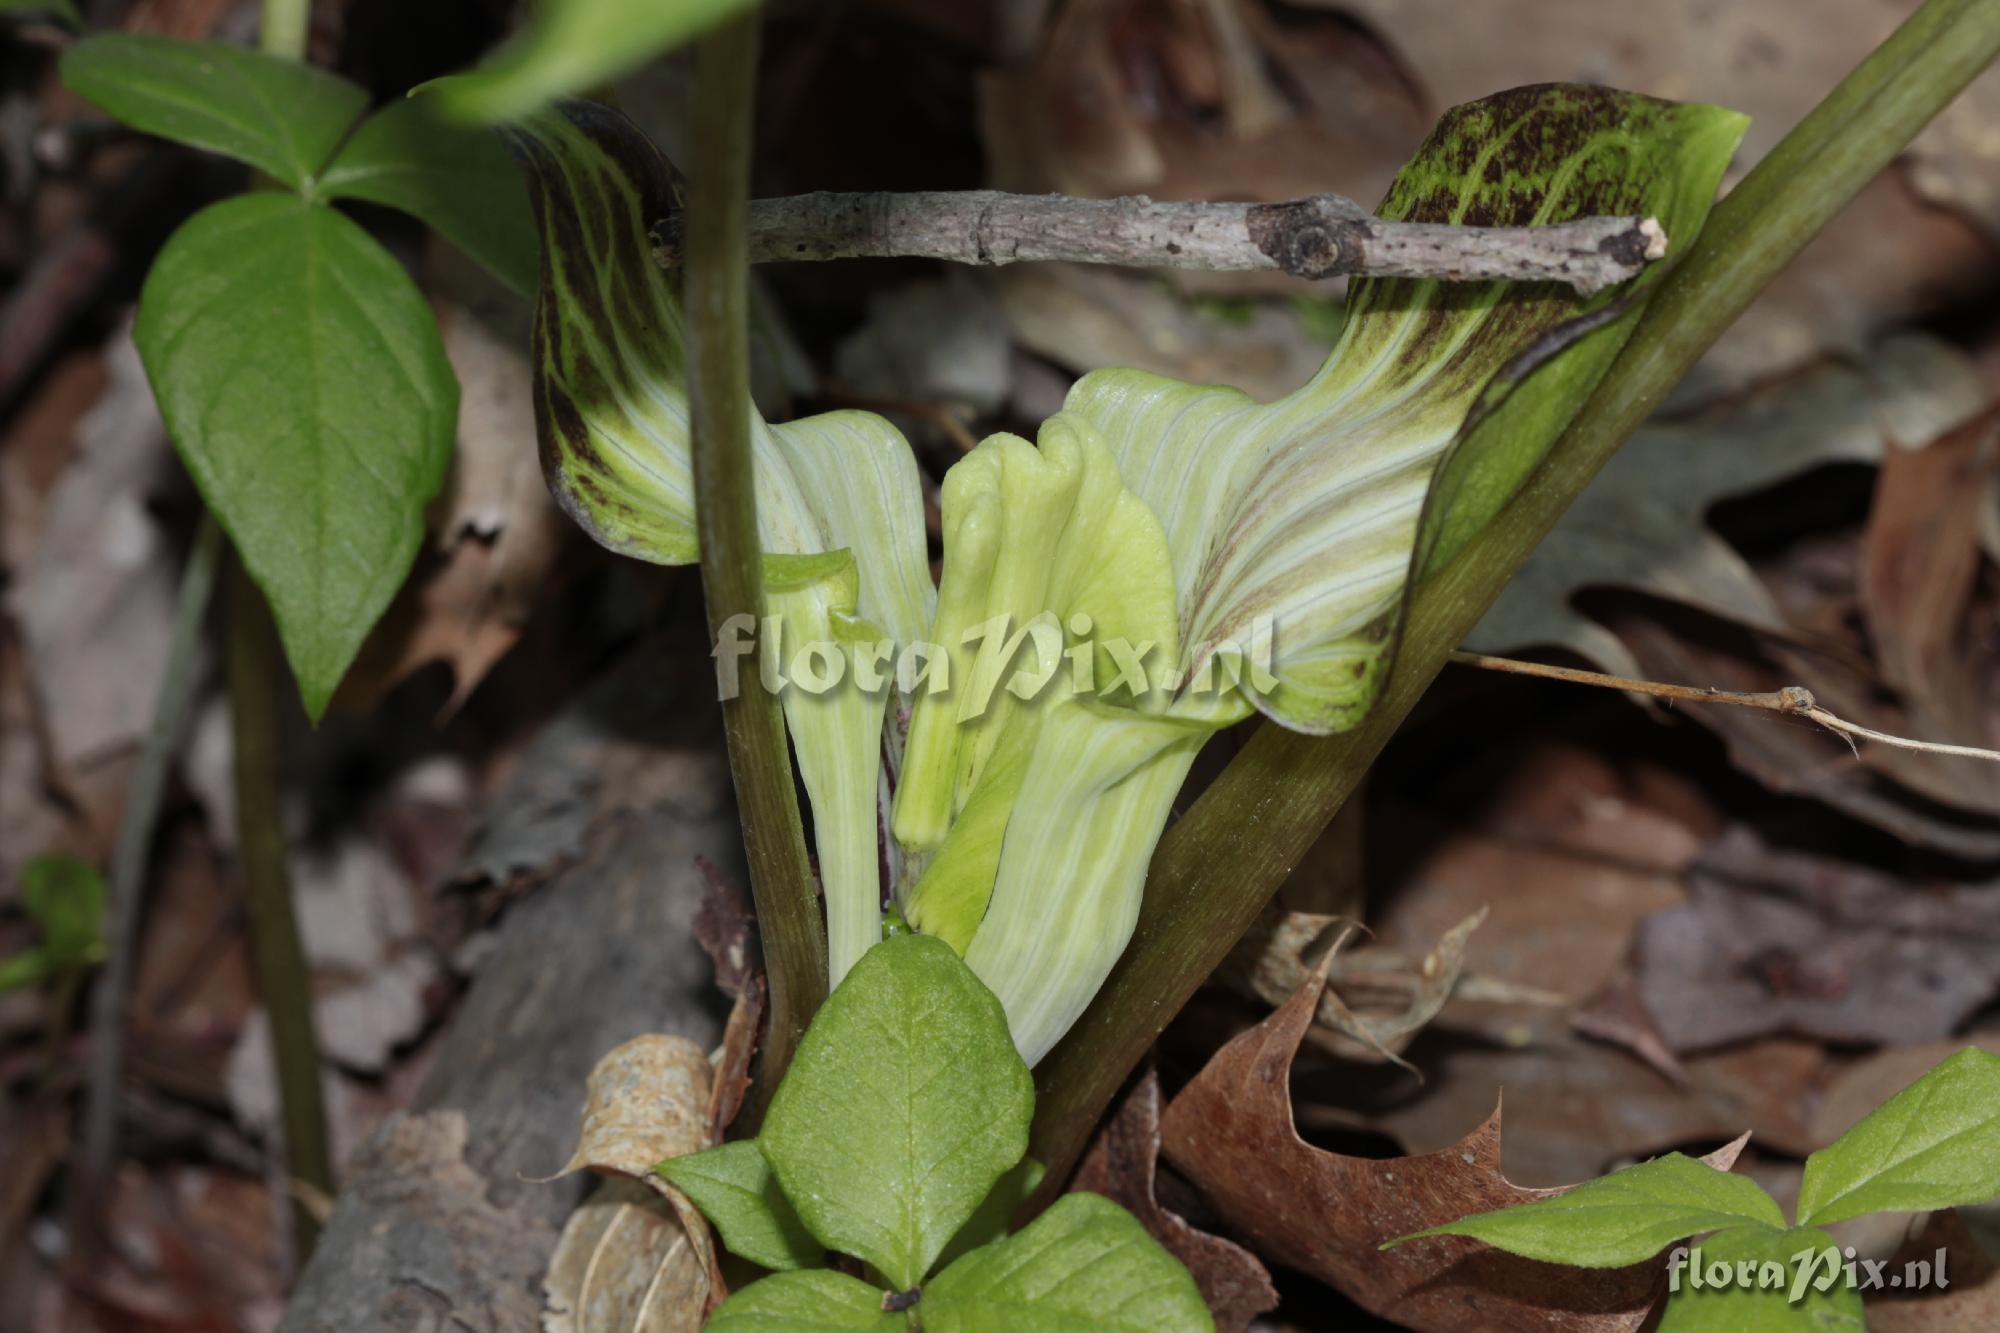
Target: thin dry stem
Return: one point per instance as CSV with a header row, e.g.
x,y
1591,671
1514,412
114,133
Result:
x,y
1792,700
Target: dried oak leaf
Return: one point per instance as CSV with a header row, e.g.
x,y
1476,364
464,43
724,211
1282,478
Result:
x,y
1376,1001
1777,941
625,1265
1230,1132
1121,1166
1972,1300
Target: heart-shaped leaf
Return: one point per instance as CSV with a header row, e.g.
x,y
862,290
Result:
x,y
282,117
1085,1263
302,379
1935,1144
460,180
902,1107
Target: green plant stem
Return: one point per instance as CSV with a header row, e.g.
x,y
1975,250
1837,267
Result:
x,y
781,879
284,980
283,27
256,679
91,1168
1217,867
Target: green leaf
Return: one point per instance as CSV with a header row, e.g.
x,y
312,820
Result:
x,y
735,1190
302,379
1395,453
1778,1281
902,1107
1085,1263
1935,1144
1624,1218
282,117
460,180
574,45
803,1302
65,897
988,1222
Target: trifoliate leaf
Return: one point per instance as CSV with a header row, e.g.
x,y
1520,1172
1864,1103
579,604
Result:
x,y
1760,1280
574,45
302,379
735,1190
811,1300
1935,1144
282,117
903,1105
1622,1218
460,180
1084,1264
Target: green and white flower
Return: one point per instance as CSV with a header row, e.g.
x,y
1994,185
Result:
x,y
1163,560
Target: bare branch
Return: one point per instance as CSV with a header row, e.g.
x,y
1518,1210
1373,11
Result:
x,y
1795,700
1320,236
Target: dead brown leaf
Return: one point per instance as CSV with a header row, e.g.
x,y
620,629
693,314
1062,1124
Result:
x,y
647,1100
624,1264
1868,1082
1121,1166
1971,1301
1793,757
1231,1132
497,534
1775,941
1376,1000
1202,100
1919,565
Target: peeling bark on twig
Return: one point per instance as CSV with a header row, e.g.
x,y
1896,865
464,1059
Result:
x,y
1321,236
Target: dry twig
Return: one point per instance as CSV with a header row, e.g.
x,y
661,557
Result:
x,y
1794,700
1320,236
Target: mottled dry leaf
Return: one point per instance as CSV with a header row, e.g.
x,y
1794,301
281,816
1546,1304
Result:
x,y
625,1264
646,1101
1376,1000
497,532
1774,941
1798,760
732,1064
1868,1082
1121,1166
94,601
1971,1301
725,928
1920,563
1231,1133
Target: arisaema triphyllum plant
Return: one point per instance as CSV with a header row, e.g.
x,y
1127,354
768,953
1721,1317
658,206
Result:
x,y
1161,561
